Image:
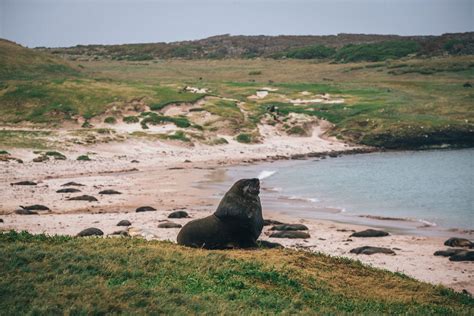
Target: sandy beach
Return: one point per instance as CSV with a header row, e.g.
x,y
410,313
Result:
x,y
170,177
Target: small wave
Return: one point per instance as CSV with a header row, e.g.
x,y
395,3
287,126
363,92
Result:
x,y
272,189
266,174
301,198
427,223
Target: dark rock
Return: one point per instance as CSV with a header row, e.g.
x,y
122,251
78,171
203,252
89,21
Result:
x,y
109,192
463,256
467,85
68,190
178,214
367,250
448,252
290,234
91,231
268,222
24,183
458,242
289,227
370,233
1,220
35,207
72,184
169,225
41,158
145,209
83,198
268,244
134,161
124,222
25,212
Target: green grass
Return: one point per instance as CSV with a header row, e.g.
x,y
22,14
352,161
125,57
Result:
x,y
26,139
50,275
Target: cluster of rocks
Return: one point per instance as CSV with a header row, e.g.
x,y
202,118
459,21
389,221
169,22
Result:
x,y
135,231
458,252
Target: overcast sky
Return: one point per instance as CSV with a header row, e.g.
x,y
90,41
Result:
x,y
55,23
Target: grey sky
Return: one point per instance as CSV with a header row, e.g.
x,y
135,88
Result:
x,y
70,22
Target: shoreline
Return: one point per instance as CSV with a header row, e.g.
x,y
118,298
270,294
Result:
x,y
168,182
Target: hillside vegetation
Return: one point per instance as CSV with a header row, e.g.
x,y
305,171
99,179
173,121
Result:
x,y
121,275
226,46
404,103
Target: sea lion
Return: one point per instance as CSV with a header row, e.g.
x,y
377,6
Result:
x,y
236,223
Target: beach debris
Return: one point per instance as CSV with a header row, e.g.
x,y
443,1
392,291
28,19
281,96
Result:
x,y
22,211
463,256
169,225
289,227
370,233
138,232
121,233
35,207
178,214
88,198
290,234
124,222
459,242
368,250
345,230
109,192
91,231
268,244
68,190
268,222
196,90
145,209
448,252
24,183
72,184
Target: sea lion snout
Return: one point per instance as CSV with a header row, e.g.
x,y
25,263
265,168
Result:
x,y
253,186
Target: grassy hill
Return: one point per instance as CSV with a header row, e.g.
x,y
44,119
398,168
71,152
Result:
x,y
18,62
226,46
403,103
51,275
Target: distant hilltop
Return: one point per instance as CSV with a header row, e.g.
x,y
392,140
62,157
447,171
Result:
x,y
340,47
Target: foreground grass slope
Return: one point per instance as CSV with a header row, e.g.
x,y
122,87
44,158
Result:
x,y
51,275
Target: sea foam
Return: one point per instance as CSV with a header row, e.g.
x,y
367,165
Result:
x,y
266,174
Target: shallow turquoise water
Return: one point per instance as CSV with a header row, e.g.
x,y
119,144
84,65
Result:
x,y
432,187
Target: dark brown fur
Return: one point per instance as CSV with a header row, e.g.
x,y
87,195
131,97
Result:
x,y
237,222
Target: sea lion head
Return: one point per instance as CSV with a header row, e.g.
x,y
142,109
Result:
x,y
247,187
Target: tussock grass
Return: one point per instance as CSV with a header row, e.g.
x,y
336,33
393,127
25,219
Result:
x,y
48,275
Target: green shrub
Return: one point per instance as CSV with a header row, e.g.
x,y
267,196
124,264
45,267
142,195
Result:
x,y
131,119
155,119
255,73
56,155
83,158
244,138
4,152
311,52
179,135
110,120
376,51
296,130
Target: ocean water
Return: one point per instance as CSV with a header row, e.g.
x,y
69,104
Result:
x,y
424,188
